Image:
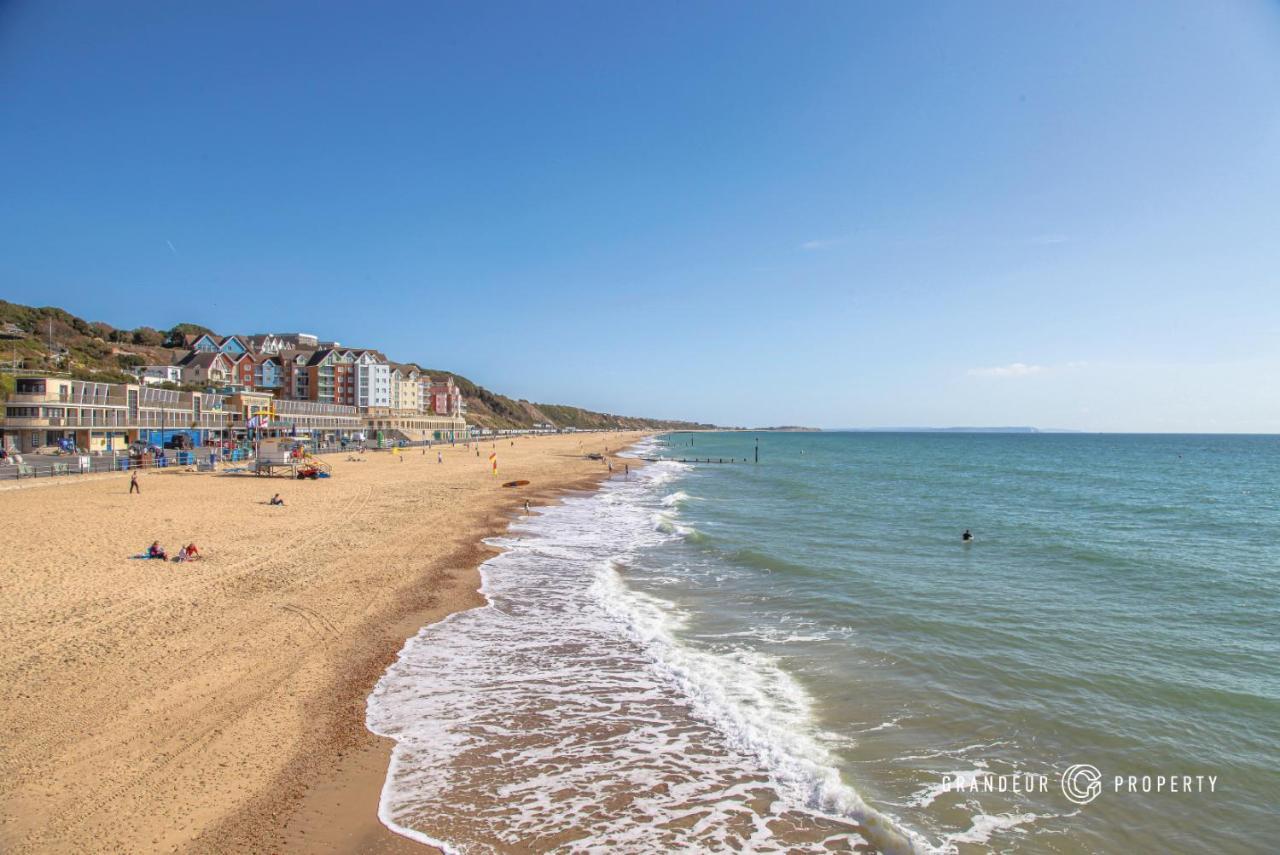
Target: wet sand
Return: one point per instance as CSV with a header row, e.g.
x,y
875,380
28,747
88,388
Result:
x,y
219,706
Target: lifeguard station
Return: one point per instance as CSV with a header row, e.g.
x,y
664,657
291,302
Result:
x,y
276,456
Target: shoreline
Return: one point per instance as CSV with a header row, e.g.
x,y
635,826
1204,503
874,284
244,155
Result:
x,y
221,705
338,810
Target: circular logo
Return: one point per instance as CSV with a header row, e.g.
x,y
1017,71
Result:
x,y
1081,783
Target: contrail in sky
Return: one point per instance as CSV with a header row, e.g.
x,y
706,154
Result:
x,y
171,247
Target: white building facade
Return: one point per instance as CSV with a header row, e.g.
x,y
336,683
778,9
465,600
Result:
x,y
373,382
153,374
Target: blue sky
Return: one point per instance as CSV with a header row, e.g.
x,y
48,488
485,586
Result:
x,y
835,214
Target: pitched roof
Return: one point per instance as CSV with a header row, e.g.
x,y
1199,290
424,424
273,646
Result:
x,y
292,354
319,356
202,359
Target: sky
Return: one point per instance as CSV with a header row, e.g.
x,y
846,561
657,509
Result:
x,y
835,214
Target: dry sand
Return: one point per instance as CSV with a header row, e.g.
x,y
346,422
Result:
x,y
219,705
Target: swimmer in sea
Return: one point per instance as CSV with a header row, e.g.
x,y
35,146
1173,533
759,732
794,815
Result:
x,y
967,536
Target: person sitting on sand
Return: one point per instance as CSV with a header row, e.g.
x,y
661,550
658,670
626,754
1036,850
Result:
x,y
155,550
188,553
276,500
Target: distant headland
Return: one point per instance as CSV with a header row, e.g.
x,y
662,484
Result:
x,y
1008,429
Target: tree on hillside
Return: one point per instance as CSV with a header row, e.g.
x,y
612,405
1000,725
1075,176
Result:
x,y
176,336
148,336
101,330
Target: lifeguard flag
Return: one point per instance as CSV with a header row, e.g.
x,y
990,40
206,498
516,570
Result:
x,y
493,456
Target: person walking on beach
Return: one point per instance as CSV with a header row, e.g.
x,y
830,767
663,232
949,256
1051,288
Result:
x,y
133,484
439,457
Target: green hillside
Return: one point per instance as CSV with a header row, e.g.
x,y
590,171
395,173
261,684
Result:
x,y
52,339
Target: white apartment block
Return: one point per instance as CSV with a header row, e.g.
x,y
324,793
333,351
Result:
x,y
373,382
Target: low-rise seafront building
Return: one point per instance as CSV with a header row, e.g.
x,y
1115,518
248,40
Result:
x,y
46,411
317,420
96,417
394,425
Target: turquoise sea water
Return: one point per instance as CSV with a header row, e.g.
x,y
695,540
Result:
x,y
802,655
1120,606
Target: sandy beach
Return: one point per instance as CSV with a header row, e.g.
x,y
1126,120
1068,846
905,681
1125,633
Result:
x,y
219,705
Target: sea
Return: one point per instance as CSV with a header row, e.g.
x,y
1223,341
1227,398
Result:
x,y
801,654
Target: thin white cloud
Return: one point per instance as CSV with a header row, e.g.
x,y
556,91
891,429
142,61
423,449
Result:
x,y
821,243
1050,239
1013,369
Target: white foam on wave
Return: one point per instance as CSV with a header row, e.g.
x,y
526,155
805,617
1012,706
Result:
x,y
761,709
985,826
959,779
887,724
672,500
566,714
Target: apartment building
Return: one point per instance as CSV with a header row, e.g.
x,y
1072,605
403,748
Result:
x,y
206,368
372,379
406,390
446,398
233,345
268,373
